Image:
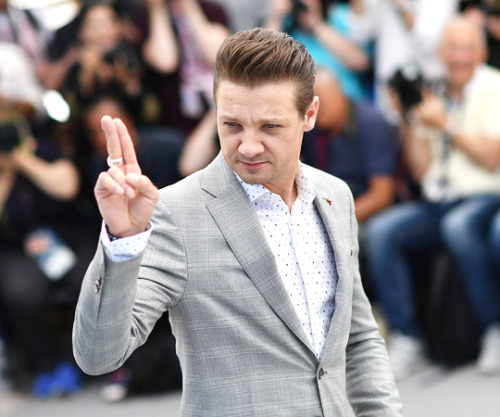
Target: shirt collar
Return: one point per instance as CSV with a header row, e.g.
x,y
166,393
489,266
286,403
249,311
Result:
x,y
305,187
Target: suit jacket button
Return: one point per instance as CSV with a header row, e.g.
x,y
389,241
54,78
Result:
x,y
321,372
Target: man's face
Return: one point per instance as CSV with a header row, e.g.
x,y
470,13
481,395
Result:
x,y
461,51
261,132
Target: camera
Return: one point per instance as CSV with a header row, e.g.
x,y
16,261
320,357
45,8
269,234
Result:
x,y
126,53
408,84
12,133
9,137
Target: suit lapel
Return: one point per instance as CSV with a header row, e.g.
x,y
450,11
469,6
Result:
x,y
241,228
330,213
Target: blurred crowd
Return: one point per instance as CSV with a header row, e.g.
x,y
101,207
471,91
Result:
x,y
409,92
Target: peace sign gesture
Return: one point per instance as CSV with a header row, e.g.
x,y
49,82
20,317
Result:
x,y
125,197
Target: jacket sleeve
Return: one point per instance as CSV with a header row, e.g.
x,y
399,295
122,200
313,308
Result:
x,y
370,382
120,302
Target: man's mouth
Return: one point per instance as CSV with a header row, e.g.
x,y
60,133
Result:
x,y
252,165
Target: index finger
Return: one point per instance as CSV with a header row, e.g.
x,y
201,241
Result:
x,y
112,139
127,147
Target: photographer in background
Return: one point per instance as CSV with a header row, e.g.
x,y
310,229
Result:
x,y
452,148
403,32
107,62
38,272
20,102
321,25
352,141
406,92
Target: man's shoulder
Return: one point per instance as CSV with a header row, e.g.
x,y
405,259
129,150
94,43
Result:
x,y
182,188
492,72
486,84
213,180
328,186
324,179
494,81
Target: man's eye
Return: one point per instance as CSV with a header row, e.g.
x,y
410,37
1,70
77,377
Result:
x,y
271,126
231,124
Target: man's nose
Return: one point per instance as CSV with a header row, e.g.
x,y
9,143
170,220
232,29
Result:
x,y
250,145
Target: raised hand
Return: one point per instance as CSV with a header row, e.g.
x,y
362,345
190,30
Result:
x,y
125,197
431,111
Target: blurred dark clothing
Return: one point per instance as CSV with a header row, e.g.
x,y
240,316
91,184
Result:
x,y
493,51
366,147
28,207
28,297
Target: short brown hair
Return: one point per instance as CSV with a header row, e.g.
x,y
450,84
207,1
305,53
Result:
x,y
257,56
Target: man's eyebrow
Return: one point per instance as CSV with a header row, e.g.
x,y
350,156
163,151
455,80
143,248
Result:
x,y
266,120
226,116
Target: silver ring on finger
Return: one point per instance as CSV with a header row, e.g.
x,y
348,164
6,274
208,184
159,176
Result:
x,y
115,161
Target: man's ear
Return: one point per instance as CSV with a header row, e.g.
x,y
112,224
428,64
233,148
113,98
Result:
x,y
311,114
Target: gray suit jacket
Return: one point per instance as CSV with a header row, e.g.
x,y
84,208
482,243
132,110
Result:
x,y
241,346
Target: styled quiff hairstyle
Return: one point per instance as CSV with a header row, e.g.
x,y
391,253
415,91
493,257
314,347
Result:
x,y
259,56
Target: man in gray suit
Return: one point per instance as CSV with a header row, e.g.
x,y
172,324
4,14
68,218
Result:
x,y
255,257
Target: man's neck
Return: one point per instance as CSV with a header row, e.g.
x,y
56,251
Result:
x,y
288,195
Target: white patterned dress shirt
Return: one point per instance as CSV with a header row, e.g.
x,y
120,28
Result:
x,y
303,254
301,247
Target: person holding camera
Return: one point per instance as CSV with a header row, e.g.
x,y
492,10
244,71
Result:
x,y
452,147
352,141
40,272
403,32
106,61
321,25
